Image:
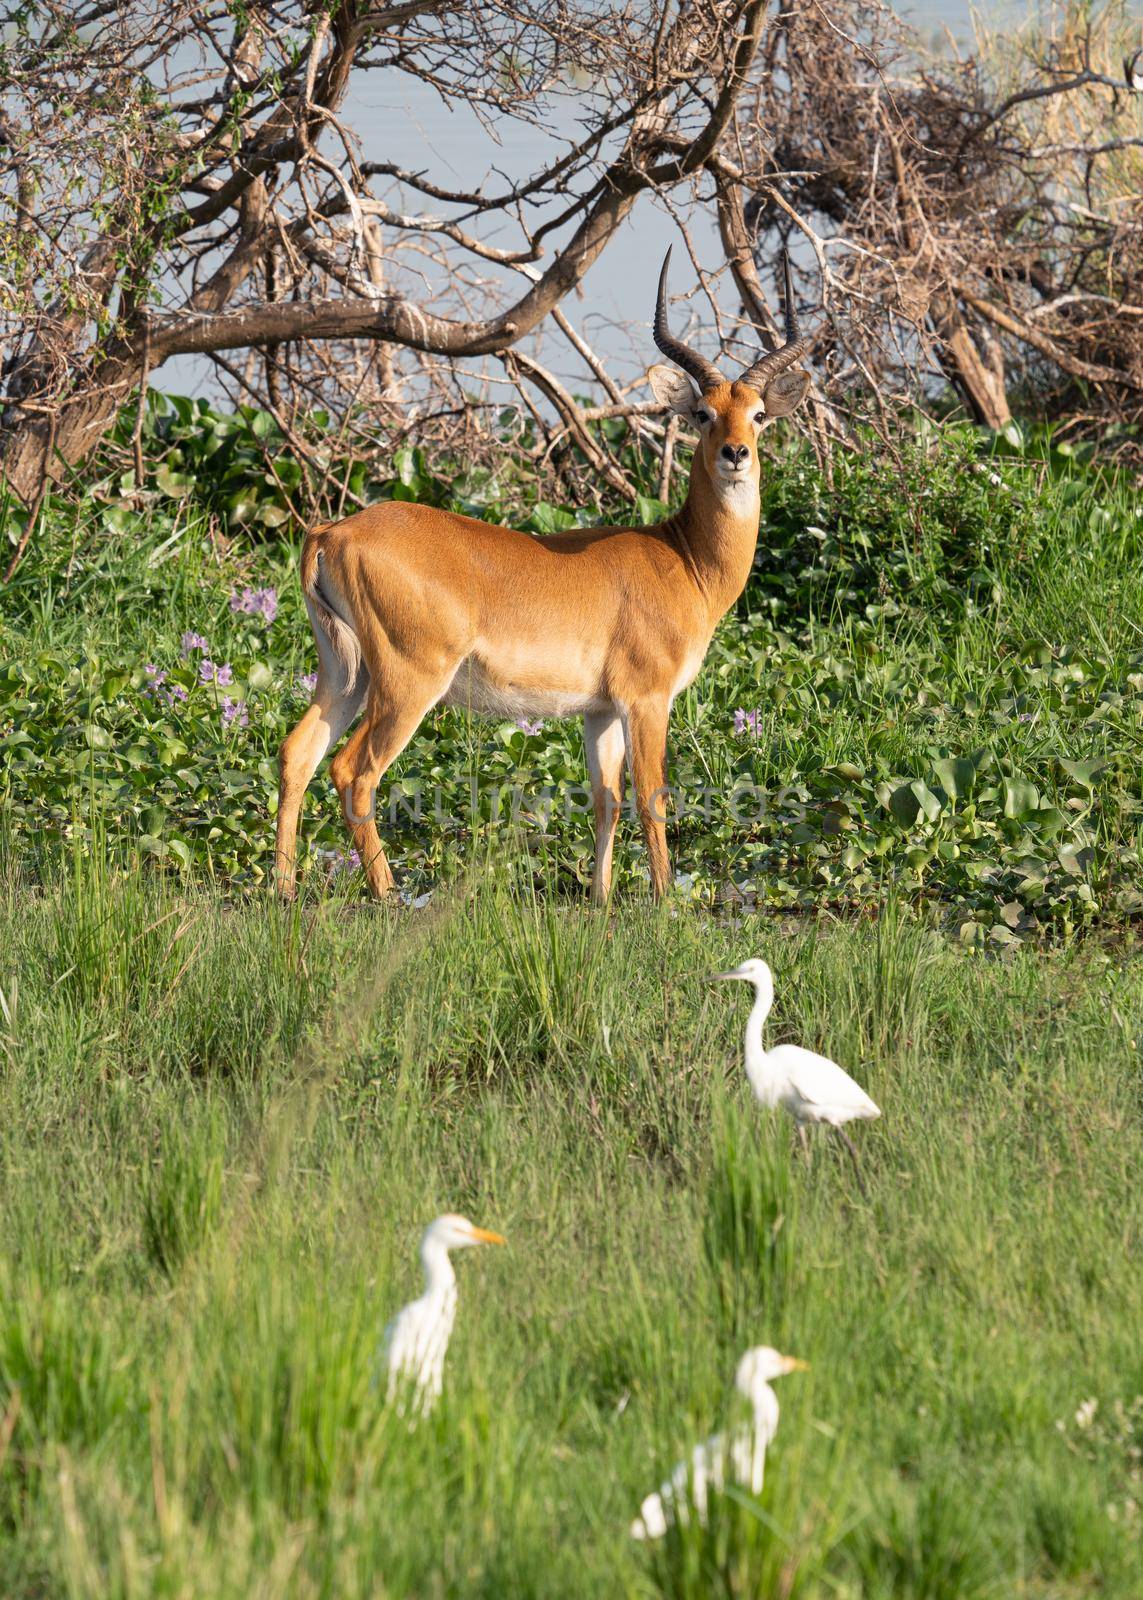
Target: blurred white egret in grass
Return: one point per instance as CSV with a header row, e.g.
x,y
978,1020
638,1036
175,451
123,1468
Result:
x,y
812,1088
417,1337
739,1455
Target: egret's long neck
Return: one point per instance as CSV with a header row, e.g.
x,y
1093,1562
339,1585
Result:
x,y
765,1403
439,1276
755,1050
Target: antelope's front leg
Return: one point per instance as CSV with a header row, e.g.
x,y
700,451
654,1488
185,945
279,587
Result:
x,y
647,740
606,747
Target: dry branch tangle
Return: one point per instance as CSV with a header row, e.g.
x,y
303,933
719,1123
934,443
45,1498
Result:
x,y
236,198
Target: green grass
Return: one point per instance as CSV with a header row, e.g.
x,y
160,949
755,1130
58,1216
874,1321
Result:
x,y
223,1129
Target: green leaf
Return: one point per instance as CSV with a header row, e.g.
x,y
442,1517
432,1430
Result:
x,y
405,466
240,507
547,518
175,484
1075,859
153,820
926,799
1020,797
905,805
1048,821
956,775
117,518
288,473
1082,772
648,509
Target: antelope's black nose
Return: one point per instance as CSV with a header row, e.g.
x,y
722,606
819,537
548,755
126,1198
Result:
x,y
735,453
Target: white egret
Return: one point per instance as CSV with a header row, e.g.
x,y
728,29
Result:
x,y
739,1454
1133,71
417,1337
812,1088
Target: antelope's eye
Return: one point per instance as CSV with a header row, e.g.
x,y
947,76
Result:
x,y
705,419
760,417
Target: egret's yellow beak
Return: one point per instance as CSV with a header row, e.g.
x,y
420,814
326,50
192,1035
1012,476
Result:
x,y
720,977
486,1237
794,1365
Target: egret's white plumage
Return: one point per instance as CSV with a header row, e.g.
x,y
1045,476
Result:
x,y
417,1337
739,1455
810,1087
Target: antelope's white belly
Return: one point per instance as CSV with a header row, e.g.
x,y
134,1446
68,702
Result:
x,y
473,689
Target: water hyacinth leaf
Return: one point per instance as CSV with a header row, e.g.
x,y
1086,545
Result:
x,y
240,507
114,684
176,485
905,805
547,518
153,820
927,801
1048,821
117,518
648,509
1020,797
956,775
287,473
1082,772
1075,859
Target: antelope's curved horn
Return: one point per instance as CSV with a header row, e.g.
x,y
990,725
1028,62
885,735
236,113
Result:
x,y
776,361
704,372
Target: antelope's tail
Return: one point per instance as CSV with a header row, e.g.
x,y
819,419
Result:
x,y
334,632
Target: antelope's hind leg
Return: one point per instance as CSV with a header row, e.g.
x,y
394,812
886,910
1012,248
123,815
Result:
x,y
388,725
647,740
329,714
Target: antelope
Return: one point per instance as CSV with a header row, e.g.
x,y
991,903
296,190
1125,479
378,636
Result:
x,y
413,607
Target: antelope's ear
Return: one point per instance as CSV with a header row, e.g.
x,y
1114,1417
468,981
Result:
x,y
785,393
673,390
